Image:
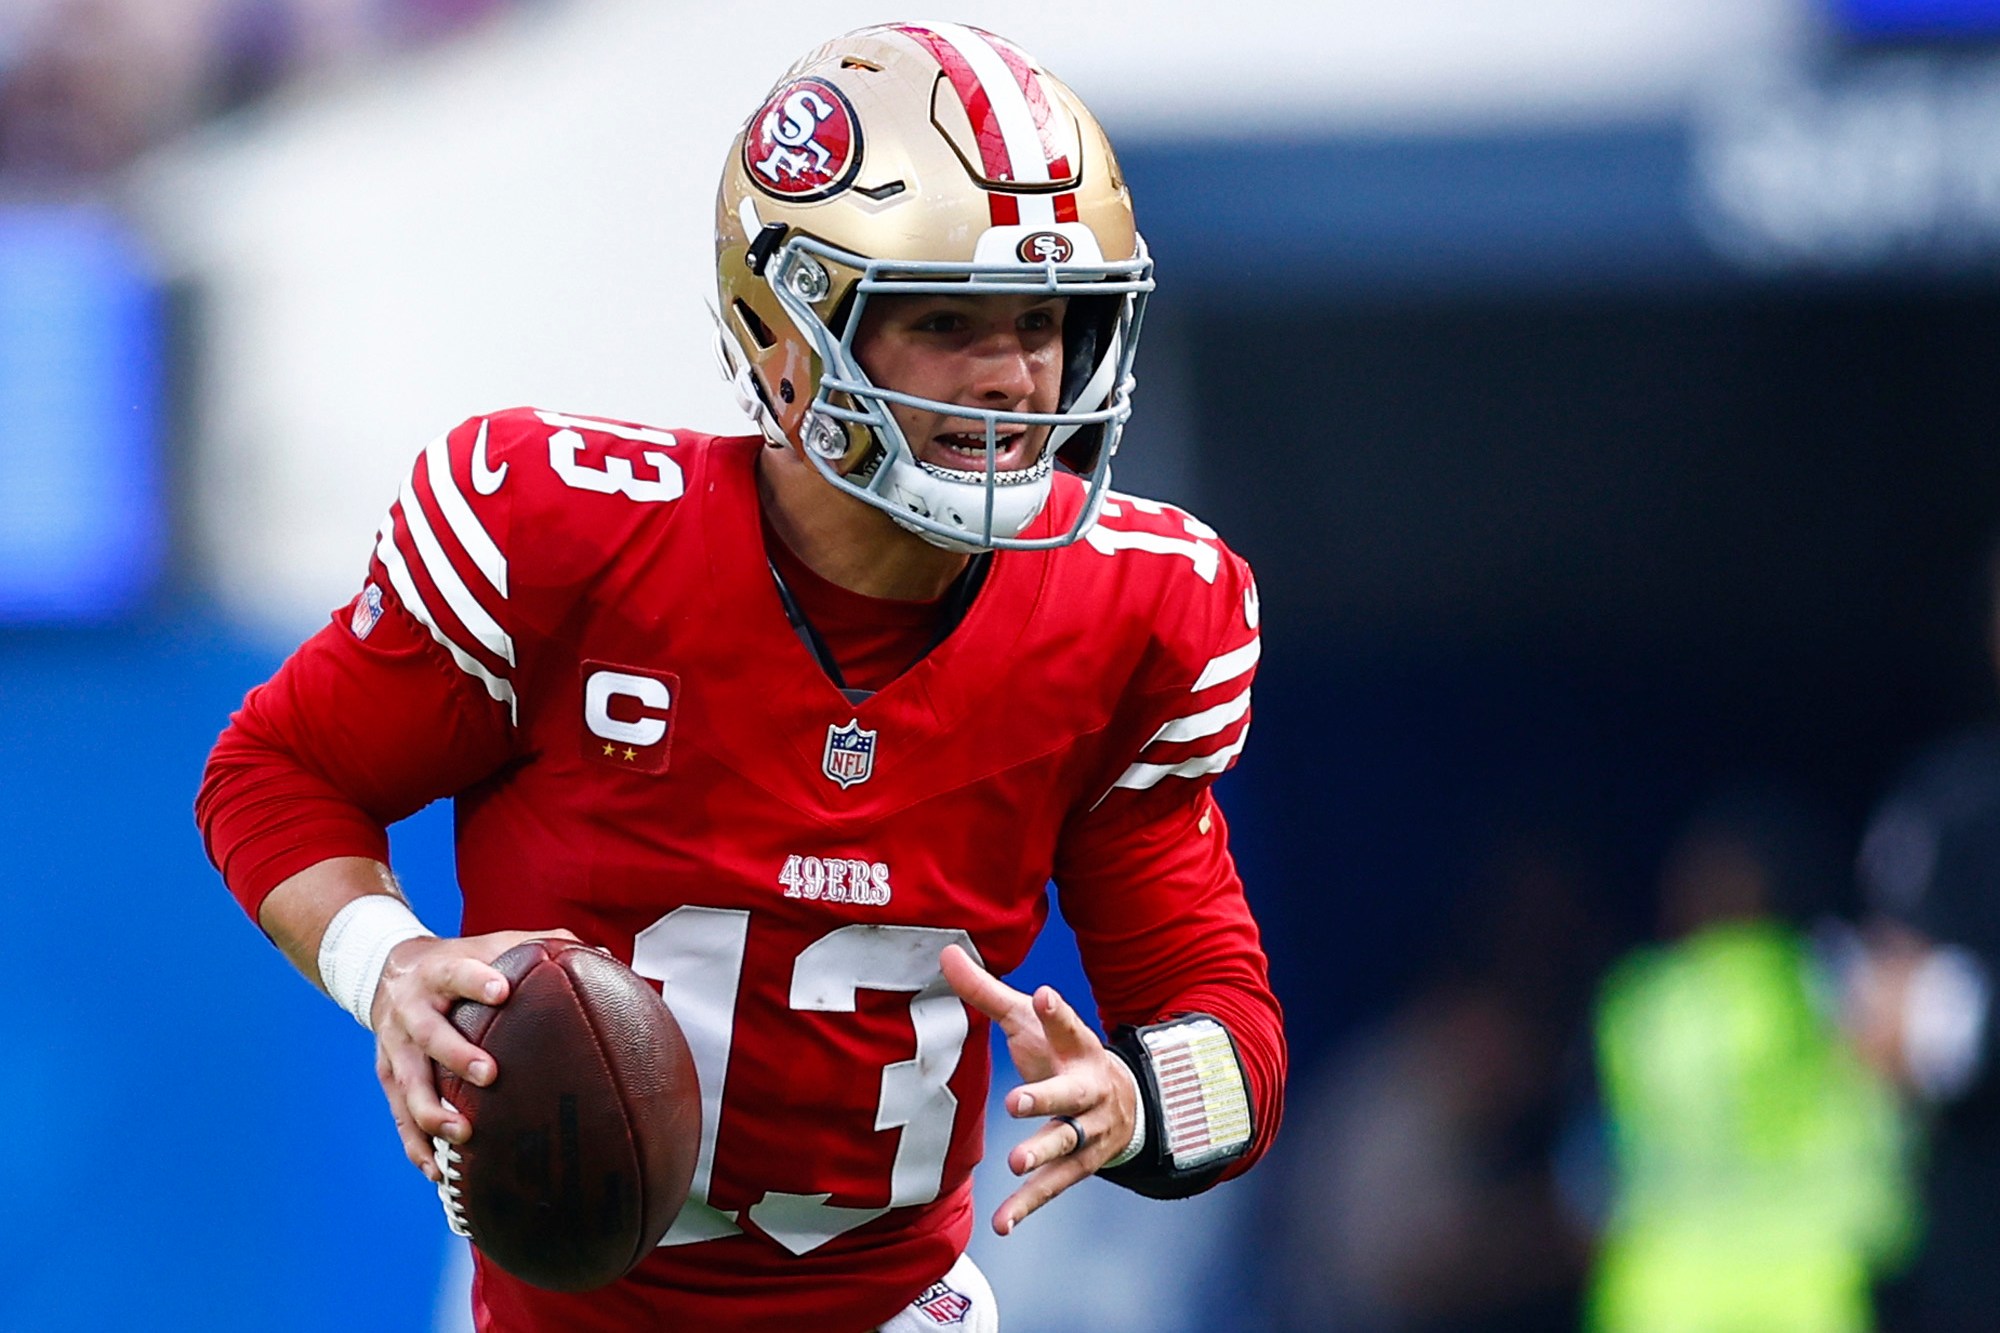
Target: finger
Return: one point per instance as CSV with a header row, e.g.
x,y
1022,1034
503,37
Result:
x,y
410,1081
417,1145
438,1040
503,940
413,1082
1064,1094
464,978
1037,1190
981,989
1068,1034
1056,1139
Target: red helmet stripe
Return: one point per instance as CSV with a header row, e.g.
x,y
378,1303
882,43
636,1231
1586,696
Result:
x,y
1013,118
993,156
1038,102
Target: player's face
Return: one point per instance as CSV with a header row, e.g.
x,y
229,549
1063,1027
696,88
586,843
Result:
x,y
1001,352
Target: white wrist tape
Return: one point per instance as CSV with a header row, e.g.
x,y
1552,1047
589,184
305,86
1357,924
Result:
x,y
356,947
1138,1143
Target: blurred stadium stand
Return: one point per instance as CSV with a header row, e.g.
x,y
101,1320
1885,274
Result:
x,y
1603,392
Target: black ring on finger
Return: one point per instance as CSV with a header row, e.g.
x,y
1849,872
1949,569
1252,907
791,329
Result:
x,y
1082,1139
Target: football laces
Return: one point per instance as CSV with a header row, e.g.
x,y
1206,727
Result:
x,y
449,1194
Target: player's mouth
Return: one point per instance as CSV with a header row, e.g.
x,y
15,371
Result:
x,y
965,451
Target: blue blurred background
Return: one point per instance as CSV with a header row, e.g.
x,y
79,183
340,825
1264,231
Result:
x,y
1606,396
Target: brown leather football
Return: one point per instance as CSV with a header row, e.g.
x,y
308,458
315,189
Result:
x,y
583,1146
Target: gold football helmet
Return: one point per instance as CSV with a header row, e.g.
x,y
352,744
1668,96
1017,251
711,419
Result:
x,y
920,159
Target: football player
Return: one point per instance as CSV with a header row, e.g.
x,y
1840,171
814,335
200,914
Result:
x,y
802,724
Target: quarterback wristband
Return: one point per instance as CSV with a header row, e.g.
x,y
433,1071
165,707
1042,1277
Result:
x,y
1196,1105
355,948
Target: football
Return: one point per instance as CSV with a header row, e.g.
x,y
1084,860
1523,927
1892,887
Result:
x,y
583,1146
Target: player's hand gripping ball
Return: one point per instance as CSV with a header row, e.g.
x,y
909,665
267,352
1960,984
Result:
x,y
583,1146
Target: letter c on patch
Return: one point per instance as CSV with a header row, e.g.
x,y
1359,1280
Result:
x,y
653,698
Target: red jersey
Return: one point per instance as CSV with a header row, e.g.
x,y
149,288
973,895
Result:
x,y
570,626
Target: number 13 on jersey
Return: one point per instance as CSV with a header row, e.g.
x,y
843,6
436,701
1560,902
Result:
x,y
696,954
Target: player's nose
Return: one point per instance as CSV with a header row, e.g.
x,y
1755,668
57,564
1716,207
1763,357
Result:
x,y
1004,369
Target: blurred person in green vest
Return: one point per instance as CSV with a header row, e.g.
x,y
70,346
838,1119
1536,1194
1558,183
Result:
x,y
1920,998
1758,1168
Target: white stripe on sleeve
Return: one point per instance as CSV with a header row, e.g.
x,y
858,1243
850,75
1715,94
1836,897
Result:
x,y
406,589
1141,776
1229,665
456,595
458,515
1205,723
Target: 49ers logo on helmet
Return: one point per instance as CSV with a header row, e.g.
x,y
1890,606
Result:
x,y
805,143
1045,247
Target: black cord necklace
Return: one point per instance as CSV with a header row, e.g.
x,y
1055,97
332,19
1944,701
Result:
x,y
958,600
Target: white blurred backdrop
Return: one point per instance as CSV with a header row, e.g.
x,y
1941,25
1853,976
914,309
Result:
x,y
524,216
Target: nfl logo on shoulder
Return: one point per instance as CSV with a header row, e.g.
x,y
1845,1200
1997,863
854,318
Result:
x,y
367,611
850,754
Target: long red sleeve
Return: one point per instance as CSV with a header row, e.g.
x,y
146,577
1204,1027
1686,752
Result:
x,y
351,734
1152,893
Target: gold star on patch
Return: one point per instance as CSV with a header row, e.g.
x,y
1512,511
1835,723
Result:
x,y
630,754
609,750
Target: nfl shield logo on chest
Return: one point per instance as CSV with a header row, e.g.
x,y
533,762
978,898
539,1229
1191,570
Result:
x,y
850,754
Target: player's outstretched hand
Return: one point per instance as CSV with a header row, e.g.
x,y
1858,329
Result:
x,y
1069,1072
422,979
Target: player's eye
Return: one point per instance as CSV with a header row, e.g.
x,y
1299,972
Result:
x,y
1044,318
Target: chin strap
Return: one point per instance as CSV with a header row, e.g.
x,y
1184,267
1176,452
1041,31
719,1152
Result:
x,y
1196,1106
1094,394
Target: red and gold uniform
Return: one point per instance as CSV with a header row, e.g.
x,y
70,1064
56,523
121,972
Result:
x,y
571,627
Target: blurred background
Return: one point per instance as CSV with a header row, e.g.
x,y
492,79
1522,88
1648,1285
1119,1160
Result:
x,y
1604,390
